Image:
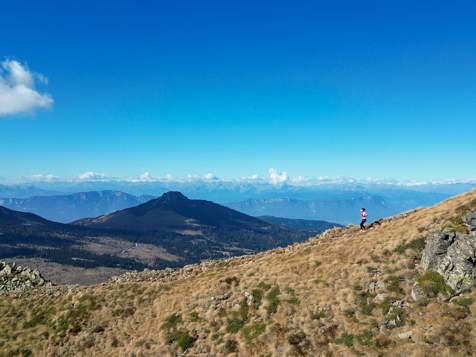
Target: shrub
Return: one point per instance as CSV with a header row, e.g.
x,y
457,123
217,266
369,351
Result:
x,y
171,321
273,300
293,301
433,284
194,317
231,346
185,340
364,303
235,324
257,297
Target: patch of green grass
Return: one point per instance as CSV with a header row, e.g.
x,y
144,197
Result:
x,y
416,245
124,312
433,284
235,324
366,338
257,295
264,286
39,317
273,300
171,322
194,317
357,287
293,301
253,330
238,318
364,302
385,305
317,264
244,309
346,339
464,301
393,284
457,224
182,337
76,317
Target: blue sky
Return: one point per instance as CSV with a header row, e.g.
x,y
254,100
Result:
x,y
382,89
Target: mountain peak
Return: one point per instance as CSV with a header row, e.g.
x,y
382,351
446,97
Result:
x,y
173,196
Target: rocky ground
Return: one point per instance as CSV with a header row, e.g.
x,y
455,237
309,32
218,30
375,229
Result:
x,y
404,287
15,278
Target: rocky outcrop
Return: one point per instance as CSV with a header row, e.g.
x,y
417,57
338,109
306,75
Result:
x,y
15,278
452,254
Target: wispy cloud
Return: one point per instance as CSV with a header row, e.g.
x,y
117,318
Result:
x,y
17,89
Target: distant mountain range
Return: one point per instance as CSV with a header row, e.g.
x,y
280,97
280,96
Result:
x,y
24,191
171,230
307,225
341,207
326,202
228,191
71,207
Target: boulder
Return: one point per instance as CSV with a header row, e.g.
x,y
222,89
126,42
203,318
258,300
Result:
x,y
453,256
470,221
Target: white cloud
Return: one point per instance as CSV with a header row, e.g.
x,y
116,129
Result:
x,y
278,178
145,177
41,178
17,89
211,177
92,176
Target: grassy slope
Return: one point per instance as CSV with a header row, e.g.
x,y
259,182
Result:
x,y
314,301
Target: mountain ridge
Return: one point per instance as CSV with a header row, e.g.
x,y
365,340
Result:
x,y
169,231
70,207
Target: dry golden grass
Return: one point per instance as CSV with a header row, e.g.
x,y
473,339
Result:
x,y
308,299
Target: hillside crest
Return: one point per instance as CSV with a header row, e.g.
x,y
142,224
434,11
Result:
x,y
344,292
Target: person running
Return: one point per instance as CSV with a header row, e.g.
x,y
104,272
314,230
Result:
x,y
363,217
